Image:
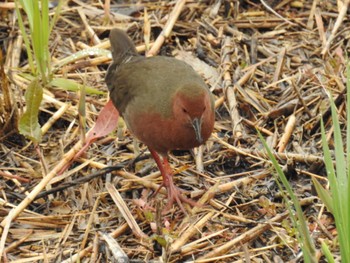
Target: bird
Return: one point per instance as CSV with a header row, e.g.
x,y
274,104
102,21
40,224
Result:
x,y
164,102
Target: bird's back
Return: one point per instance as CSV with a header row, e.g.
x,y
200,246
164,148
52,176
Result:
x,y
151,82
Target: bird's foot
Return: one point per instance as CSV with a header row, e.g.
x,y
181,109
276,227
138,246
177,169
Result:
x,y
174,195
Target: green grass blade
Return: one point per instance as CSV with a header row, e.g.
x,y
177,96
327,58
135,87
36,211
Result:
x,y
327,253
82,54
37,40
56,15
324,195
339,181
29,124
347,201
348,118
25,36
67,84
45,37
339,190
29,9
299,222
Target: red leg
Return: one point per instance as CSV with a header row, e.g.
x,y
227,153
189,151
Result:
x,y
174,193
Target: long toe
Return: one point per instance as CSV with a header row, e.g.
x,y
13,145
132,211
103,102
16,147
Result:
x,y
174,195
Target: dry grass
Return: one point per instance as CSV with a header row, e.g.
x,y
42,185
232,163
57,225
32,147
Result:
x,y
271,66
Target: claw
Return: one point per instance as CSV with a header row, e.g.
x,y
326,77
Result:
x,y
174,193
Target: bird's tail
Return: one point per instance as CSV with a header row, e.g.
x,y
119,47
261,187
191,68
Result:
x,y
122,47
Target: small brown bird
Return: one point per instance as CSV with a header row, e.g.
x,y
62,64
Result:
x,y
164,102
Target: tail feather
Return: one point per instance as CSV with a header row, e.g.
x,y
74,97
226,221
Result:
x,y
122,46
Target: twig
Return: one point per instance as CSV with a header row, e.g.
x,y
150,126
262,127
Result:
x,y
229,88
81,180
262,155
288,131
310,22
192,229
341,16
244,238
118,253
167,28
123,208
276,14
90,31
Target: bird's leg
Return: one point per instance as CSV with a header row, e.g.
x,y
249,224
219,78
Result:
x,y
174,193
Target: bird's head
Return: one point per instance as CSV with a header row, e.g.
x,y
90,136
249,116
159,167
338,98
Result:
x,y
191,109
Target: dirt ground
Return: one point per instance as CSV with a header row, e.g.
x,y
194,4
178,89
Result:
x,y
271,66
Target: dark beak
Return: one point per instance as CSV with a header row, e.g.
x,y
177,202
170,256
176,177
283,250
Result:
x,y
197,126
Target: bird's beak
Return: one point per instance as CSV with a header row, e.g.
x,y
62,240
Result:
x,y
197,126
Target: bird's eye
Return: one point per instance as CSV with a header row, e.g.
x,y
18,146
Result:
x,y
184,110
